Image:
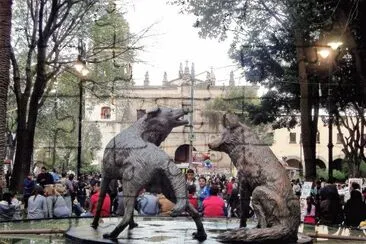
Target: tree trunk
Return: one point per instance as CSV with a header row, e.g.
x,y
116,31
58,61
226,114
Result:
x,y
27,118
5,30
25,142
22,160
305,110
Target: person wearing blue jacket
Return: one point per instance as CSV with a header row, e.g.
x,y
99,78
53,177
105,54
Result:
x,y
28,185
203,191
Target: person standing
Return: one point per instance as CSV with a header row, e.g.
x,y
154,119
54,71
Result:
x,y
192,198
190,179
203,191
7,178
44,178
81,191
28,185
229,188
354,209
296,187
119,208
330,212
55,176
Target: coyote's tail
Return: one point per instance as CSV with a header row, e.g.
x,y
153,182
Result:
x,y
276,234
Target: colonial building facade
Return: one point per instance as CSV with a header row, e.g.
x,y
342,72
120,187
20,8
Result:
x,y
185,91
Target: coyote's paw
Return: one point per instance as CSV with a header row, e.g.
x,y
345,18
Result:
x,y
200,236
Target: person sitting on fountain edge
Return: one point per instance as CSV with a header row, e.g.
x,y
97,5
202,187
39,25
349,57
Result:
x,y
106,207
214,206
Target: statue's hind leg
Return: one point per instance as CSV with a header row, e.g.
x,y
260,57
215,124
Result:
x,y
103,190
258,210
269,207
129,204
200,234
178,182
132,223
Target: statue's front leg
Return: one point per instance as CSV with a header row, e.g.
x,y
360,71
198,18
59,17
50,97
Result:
x,y
200,235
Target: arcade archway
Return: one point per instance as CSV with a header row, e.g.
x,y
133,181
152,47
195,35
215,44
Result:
x,y
320,164
337,164
294,163
181,154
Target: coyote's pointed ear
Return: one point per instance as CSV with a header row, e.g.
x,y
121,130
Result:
x,y
230,121
153,113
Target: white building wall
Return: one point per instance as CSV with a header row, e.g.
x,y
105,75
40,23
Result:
x,y
124,113
284,150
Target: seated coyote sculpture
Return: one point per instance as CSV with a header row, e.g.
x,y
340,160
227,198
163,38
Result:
x,y
133,156
263,177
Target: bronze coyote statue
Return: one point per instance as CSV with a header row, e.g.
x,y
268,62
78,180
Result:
x,y
263,177
133,156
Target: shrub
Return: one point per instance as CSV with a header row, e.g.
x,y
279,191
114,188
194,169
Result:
x,y
321,173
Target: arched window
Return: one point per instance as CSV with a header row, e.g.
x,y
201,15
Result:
x,y
105,113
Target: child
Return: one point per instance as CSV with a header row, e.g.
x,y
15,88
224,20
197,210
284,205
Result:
x,y
192,196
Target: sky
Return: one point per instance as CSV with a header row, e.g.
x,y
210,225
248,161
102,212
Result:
x,y
173,40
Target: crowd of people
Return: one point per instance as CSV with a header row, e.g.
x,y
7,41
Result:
x,y
53,195
329,204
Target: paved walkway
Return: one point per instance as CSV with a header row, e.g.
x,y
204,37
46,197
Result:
x,y
162,230
152,230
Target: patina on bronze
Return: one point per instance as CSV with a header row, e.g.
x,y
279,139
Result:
x,y
134,157
262,177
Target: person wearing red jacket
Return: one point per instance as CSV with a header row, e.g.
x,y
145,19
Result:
x,y
106,207
214,206
229,187
192,198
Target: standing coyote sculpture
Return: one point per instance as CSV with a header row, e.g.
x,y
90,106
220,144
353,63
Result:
x,y
263,177
133,156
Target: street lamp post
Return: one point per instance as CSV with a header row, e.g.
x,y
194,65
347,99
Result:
x,y
191,132
80,67
326,54
78,165
330,137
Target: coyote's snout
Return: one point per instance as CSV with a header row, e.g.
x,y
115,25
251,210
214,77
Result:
x,y
263,177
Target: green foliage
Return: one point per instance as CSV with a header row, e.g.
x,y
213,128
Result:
x,y
363,169
112,45
57,125
90,169
238,101
57,128
321,173
345,166
266,39
339,175
263,45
